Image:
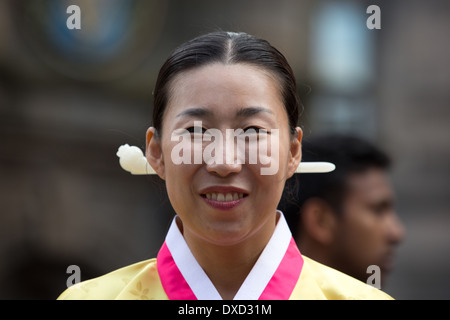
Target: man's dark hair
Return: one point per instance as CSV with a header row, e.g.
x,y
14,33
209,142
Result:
x,y
349,154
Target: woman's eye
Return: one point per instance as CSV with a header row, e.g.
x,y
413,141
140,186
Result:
x,y
253,129
196,130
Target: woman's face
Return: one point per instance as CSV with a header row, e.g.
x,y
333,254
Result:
x,y
218,198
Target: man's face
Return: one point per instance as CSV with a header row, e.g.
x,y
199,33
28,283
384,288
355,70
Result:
x,y
369,229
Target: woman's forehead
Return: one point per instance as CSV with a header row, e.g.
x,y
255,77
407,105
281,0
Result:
x,y
236,86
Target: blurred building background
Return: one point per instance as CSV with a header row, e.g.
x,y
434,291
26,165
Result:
x,y
70,98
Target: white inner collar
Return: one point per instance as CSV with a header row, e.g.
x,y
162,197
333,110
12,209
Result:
x,y
257,279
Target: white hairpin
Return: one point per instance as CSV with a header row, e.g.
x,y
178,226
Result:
x,y
132,159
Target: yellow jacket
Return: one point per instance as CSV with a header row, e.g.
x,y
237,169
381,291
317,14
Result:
x,y
281,272
141,281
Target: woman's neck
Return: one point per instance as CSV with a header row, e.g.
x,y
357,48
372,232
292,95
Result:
x,y
228,266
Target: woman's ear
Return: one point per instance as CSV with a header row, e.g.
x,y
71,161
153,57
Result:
x,y
295,152
153,152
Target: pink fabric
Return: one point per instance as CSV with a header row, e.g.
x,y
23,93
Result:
x,y
172,280
280,286
286,276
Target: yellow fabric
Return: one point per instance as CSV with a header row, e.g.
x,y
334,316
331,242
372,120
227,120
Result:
x,y
141,281
319,282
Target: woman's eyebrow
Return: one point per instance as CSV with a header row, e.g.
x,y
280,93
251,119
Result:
x,y
251,111
196,112
241,113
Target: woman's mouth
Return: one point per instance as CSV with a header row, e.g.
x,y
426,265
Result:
x,y
224,199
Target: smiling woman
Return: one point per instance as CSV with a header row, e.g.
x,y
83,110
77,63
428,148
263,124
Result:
x,y
228,241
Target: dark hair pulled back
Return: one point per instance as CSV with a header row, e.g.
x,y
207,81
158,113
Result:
x,y
227,48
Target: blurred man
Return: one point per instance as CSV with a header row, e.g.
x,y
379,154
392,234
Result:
x,y
345,219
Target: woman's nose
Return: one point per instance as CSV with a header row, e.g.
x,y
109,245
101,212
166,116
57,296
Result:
x,y
223,160
223,169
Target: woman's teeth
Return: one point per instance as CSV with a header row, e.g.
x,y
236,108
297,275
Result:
x,y
224,196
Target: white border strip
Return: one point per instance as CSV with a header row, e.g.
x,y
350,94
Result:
x,y
268,262
257,279
192,272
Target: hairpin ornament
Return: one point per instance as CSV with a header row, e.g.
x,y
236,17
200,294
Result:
x,y
132,159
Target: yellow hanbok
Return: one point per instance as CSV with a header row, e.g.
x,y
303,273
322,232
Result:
x,y
281,272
